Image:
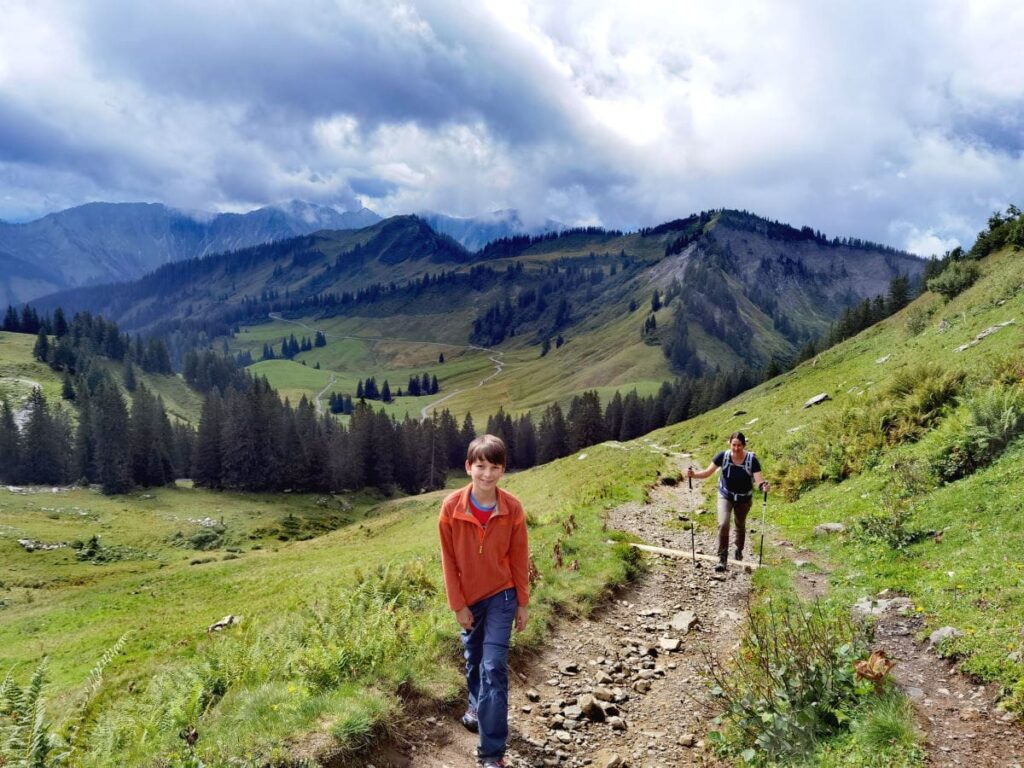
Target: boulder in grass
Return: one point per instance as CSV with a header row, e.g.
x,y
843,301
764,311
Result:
x,y
817,400
827,529
939,636
228,621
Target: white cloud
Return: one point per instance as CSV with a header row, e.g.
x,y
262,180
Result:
x,y
901,123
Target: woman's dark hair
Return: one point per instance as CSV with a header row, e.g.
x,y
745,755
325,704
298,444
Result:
x,y
738,436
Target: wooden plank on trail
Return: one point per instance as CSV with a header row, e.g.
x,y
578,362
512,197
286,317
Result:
x,y
687,555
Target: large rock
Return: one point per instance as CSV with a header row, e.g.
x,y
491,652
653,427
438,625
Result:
x,y
827,529
591,708
867,606
684,621
939,636
817,400
607,759
670,643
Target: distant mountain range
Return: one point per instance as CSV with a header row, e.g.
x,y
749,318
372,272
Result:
x,y
741,288
113,242
474,233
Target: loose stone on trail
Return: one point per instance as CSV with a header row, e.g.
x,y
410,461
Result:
x,y
684,621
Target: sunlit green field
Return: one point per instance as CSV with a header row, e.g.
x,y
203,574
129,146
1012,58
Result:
x,y
164,594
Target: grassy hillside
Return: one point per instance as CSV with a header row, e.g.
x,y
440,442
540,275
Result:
x,y
881,458
20,372
270,689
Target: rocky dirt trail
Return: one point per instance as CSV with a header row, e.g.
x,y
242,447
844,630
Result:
x,y
958,718
626,685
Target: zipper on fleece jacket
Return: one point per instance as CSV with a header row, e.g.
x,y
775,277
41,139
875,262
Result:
x,y
469,517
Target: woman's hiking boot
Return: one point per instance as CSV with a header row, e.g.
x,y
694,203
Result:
x,y
721,566
469,720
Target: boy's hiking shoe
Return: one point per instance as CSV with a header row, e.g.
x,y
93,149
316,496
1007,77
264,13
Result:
x,y
493,762
720,567
470,721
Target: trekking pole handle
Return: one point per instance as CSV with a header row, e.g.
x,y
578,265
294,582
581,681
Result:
x,y
689,477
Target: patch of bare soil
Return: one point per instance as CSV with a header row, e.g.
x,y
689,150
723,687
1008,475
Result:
x,y
625,686
961,724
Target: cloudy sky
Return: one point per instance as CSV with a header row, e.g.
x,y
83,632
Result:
x,y
898,122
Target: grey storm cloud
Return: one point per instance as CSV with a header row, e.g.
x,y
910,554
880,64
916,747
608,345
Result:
x,y
901,123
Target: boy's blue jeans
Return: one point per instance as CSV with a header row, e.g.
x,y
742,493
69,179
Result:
x,y
486,652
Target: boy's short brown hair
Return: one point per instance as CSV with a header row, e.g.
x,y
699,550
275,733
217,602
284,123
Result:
x,y
489,447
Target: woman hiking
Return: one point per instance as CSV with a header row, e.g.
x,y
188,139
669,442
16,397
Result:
x,y
740,472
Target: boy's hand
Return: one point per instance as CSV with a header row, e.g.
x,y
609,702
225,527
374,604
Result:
x,y
521,617
465,618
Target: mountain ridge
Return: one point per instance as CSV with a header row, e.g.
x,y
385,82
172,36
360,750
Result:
x,y
109,242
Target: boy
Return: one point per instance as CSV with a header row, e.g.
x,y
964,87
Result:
x,y
485,557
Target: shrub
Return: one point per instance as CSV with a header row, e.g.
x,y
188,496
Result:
x,y
791,683
890,723
891,524
955,279
995,416
917,321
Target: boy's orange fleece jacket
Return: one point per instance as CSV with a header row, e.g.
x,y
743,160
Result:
x,y
479,562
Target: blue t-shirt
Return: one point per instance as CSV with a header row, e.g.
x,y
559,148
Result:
x,y
736,480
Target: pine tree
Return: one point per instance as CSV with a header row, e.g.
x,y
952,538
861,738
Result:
x,y
207,466
11,322
655,301
360,394
60,323
434,387
440,358
128,376
553,435
586,423
41,350
632,417
9,449
40,464
67,389
613,416
111,429
385,392
899,293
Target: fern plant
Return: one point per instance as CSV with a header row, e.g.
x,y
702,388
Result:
x,y
27,737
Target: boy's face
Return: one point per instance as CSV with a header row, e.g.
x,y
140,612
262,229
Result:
x,y
484,474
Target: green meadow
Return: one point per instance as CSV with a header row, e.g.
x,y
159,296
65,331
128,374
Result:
x,y
340,596
257,689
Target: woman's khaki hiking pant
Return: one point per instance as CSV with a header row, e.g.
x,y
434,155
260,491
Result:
x,y
726,507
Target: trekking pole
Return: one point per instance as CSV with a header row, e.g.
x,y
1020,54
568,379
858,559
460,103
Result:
x,y
693,544
764,513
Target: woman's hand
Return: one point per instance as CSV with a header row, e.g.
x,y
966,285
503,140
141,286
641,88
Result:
x,y
465,618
